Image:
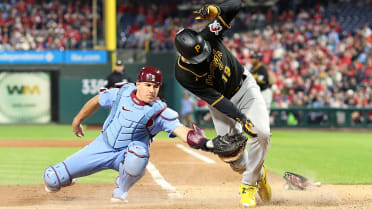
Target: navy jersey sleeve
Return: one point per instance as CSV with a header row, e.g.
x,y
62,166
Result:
x,y
207,93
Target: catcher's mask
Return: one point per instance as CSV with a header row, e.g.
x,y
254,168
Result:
x,y
192,46
150,74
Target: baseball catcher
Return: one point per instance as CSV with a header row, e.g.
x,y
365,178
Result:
x,y
136,116
228,147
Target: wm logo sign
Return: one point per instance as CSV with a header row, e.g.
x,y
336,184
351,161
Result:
x,y
22,90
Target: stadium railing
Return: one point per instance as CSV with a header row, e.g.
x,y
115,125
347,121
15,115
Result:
x,y
308,118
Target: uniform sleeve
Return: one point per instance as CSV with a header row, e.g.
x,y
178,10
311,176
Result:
x,y
210,95
108,97
218,101
221,23
167,121
229,9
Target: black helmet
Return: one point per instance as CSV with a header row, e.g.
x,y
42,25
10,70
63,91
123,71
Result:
x,y
256,55
192,46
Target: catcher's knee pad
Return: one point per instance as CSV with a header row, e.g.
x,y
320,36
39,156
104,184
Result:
x,y
57,176
136,158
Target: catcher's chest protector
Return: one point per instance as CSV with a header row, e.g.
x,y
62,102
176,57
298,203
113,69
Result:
x,y
127,120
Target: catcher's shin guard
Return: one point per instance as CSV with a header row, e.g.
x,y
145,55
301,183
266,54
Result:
x,y
264,189
132,169
56,177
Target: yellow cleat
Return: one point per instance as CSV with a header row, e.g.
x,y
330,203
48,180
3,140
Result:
x,y
264,190
248,196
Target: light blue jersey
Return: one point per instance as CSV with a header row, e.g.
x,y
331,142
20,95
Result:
x,y
133,120
131,123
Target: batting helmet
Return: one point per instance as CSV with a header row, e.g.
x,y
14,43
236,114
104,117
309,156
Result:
x,y
150,74
192,46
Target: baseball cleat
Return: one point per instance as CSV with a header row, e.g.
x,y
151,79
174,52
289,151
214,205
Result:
x,y
264,189
73,181
248,196
120,199
51,190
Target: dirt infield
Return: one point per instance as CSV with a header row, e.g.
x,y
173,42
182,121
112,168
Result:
x,y
197,185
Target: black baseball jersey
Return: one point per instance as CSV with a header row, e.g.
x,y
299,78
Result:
x,y
219,77
116,77
262,77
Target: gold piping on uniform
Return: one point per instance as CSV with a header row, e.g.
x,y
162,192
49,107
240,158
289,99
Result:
x,y
256,67
236,89
224,23
184,68
215,102
255,75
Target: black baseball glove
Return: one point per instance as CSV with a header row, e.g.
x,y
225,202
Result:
x,y
229,147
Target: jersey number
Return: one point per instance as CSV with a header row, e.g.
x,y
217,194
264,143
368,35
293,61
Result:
x,y
226,74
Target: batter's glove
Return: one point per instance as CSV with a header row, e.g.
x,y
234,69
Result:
x,y
247,126
296,181
207,12
229,147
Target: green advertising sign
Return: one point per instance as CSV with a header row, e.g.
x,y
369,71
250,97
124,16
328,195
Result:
x,y
25,97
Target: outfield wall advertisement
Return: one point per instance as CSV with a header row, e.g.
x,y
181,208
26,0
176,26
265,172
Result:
x,y
25,97
53,57
31,57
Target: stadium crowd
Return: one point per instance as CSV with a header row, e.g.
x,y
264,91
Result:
x,y
315,63
45,25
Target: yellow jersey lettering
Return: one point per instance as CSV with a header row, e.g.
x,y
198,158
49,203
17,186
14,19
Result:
x,y
197,48
224,78
227,71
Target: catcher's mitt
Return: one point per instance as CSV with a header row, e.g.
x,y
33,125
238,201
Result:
x,y
229,147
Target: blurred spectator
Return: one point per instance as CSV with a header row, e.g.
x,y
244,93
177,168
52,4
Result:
x,y
187,109
203,105
262,77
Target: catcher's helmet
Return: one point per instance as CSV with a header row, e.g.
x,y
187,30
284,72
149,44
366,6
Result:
x,y
192,46
150,74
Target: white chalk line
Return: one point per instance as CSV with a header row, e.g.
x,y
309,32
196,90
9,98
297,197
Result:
x,y
159,179
180,163
195,154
